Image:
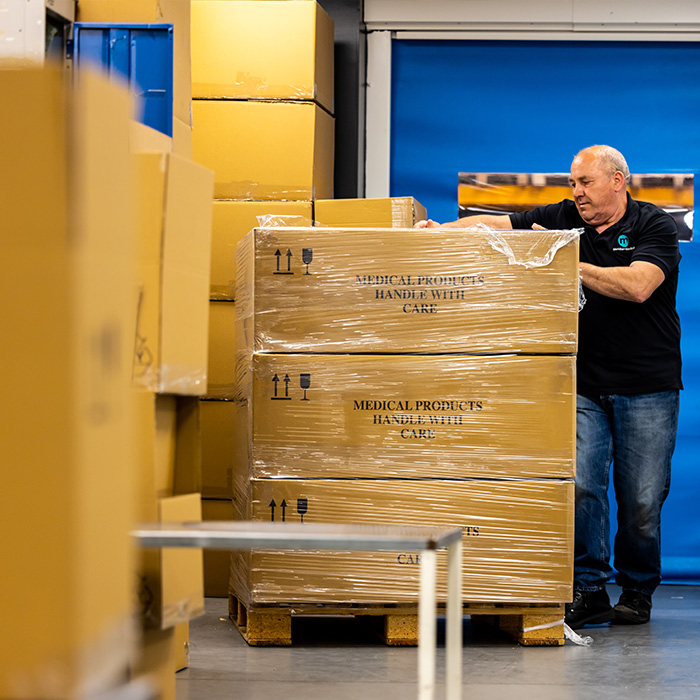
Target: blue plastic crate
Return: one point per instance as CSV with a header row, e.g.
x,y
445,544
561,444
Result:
x,y
140,54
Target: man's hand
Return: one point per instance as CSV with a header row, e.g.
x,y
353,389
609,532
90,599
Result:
x,y
427,223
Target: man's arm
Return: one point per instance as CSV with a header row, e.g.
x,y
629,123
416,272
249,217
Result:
x,y
494,221
636,282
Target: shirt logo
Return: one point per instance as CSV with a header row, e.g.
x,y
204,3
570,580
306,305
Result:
x,y
623,241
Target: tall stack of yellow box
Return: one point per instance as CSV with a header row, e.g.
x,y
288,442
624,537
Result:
x,y
407,376
262,112
68,498
169,373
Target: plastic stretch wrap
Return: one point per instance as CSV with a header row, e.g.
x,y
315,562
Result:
x,y
262,50
406,416
518,539
407,290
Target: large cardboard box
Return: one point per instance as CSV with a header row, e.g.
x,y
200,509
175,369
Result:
x,y
275,49
175,12
407,416
232,220
407,290
174,257
222,350
265,150
68,497
218,451
217,562
171,589
518,540
379,212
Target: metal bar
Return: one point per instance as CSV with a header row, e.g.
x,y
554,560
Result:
x,y
453,645
427,625
242,535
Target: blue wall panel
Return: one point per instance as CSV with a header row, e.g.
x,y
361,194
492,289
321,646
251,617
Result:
x,y
499,106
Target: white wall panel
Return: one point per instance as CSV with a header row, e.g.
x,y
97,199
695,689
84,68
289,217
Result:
x,y
538,15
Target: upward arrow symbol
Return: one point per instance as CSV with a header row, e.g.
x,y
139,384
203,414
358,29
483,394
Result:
x,y
289,259
272,509
278,255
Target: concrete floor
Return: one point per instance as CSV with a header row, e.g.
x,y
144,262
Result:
x,y
338,659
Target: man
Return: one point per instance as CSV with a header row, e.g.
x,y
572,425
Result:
x,y
628,379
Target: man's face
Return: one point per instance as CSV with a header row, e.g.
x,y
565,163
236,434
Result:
x,y
595,191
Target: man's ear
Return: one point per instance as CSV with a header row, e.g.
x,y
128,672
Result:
x,y
619,180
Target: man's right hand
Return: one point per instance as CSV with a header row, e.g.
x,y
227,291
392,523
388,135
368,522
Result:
x,y
426,223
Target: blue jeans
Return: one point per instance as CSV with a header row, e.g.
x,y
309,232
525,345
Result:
x,y
637,435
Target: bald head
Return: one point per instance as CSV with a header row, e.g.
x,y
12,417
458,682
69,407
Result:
x,y
599,177
609,159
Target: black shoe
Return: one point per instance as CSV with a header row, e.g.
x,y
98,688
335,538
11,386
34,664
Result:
x,y
633,608
588,608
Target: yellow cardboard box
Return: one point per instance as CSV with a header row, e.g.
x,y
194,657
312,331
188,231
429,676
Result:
x,y
168,432
175,12
265,150
407,416
518,540
171,586
222,350
275,49
217,448
174,256
217,562
68,498
407,290
232,220
379,212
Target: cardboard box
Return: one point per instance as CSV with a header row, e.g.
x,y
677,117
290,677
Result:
x,y
67,469
175,12
217,562
222,350
171,587
380,212
407,416
274,50
232,220
157,660
174,258
217,448
265,150
182,646
518,540
182,138
407,290
169,438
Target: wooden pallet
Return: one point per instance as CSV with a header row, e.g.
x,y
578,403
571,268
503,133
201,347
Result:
x,y
528,624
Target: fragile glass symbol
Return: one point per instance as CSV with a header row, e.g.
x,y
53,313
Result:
x,y
305,383
302,507
307,255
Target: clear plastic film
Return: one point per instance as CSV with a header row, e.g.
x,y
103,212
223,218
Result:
x,y
252,50
517,534
408,290
407,416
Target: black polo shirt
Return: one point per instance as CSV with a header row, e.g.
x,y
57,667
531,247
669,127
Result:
x,y
624,347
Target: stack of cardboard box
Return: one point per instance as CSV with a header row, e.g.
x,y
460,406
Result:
x,y
262,112
170,350
407,376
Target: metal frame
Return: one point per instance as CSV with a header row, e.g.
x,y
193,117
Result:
x,y
538,20
260,535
